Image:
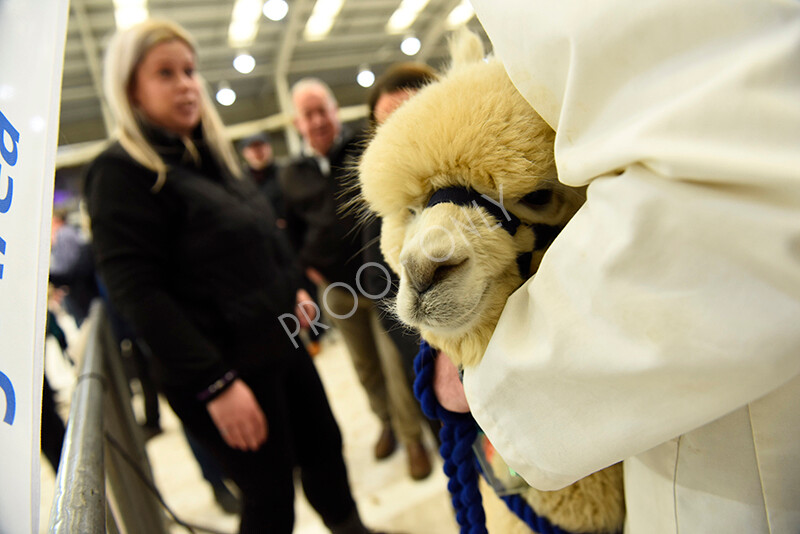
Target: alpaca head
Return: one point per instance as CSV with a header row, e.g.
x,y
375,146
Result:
x,y
463,177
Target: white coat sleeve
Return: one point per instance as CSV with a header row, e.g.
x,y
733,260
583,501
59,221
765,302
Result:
x,y
673,296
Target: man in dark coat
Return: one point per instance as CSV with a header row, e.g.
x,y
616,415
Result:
x,y
329,246
260,165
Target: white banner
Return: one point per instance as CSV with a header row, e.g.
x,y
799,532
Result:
x,y
32,35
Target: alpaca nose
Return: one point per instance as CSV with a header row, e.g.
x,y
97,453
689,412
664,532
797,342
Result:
x,y
422,275
420,279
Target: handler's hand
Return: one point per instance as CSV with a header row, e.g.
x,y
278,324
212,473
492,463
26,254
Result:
x,y
238,417
447,386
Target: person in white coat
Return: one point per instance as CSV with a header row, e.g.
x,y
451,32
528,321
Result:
x,y
663,326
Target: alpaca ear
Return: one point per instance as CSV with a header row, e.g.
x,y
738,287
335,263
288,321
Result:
x,y
465,48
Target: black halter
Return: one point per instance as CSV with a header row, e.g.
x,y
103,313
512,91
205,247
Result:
x,y
462,196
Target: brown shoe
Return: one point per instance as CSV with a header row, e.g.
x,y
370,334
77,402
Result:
x,y
386,443
419,465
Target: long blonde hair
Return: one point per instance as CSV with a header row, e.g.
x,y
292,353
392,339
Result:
x,y
125,51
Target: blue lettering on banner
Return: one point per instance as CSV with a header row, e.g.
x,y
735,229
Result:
x,y
10,156
11,398
5,202
10,159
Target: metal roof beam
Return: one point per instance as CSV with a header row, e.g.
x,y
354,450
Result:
x,y
91,52
436,31
298,13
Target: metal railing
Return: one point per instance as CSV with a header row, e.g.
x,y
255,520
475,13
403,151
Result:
x,y
104,448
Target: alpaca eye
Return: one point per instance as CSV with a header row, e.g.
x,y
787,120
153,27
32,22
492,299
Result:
x,y
538,199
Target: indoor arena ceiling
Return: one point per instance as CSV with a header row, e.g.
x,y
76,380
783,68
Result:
x,y
282,51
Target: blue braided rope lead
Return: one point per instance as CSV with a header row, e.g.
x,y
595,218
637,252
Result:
x,y
458,433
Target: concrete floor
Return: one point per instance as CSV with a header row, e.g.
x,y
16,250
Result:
x,y
387,498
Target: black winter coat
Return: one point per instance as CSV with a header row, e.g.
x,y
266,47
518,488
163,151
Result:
x,y
198,268
267,181
325,236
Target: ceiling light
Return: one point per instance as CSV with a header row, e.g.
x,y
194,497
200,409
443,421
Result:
x,y
246,10
405,15
225,95
460,15
244,22
365,77
317,28
241,33
410,46
129,12
276,9
400,21
322,18
327,8
244,63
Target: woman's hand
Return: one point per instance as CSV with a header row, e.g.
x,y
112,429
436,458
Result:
x,y
238,417
447,385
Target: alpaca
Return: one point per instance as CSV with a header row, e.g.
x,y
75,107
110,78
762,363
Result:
x,y
462,158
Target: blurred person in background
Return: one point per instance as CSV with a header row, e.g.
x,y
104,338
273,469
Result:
x,y
329,244
400,82
192,258
53,428
261,167
72,270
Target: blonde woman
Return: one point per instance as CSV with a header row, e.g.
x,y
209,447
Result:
x,y
192,258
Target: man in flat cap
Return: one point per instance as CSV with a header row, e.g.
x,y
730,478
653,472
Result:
x,y
260,165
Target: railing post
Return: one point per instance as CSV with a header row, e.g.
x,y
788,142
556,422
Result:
x,y
79,503
100,414
137,507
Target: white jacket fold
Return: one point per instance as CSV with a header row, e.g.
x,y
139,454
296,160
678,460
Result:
x,y
663,326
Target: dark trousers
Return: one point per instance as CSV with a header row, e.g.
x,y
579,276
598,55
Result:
x,y
208,464
137,365
52,427
302,432
408,344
